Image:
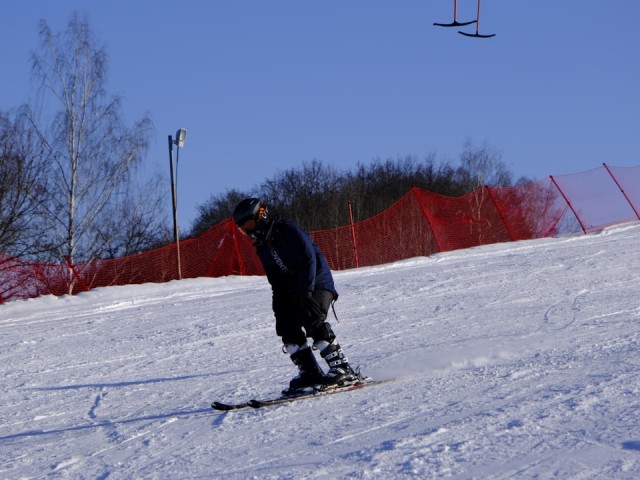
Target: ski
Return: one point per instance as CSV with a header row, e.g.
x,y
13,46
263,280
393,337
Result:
x,y
255,403
262,403
229,406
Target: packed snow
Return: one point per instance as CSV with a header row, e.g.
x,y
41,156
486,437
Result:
x,y
514,360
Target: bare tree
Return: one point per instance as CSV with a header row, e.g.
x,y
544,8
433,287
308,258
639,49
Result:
x,y
90,153
132,223
482,166
215,210
21,188
305,195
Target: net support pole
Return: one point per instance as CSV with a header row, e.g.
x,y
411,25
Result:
x,y
568,203
622,190
353,236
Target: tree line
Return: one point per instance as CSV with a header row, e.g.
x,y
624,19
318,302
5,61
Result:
x,y
317,196
70,191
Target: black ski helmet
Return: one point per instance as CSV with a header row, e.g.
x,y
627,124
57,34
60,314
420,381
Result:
x,y
250,208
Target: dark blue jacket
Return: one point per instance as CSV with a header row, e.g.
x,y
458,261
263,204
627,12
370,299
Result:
x,y
292,261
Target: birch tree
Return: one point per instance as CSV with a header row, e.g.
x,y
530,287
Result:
x,y
90,152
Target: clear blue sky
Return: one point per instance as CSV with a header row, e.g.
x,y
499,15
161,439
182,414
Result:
x,y
262,86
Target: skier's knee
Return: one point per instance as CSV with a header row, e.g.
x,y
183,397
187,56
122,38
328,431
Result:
x,y
321,332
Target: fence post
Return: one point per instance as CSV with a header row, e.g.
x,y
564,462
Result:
x,y
353,236
568,203
622,190
234,232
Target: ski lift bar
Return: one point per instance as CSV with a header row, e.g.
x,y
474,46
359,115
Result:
x,y
455,20
477,34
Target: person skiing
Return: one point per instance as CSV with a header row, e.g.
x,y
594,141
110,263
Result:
x,y
302,293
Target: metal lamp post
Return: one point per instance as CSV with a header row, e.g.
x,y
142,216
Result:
x,y
181,135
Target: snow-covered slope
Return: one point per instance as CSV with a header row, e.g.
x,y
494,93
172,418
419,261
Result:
x,y
516,360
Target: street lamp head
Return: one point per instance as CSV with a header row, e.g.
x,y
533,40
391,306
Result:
x,y
181,136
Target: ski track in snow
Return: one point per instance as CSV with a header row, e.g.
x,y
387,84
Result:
x,y
515,360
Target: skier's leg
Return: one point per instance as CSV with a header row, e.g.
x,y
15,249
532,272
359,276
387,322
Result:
x,y
324,340
295,344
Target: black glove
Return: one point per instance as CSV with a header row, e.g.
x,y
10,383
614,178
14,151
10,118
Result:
x,y
308,306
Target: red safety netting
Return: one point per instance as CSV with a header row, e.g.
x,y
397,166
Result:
x,y
400,231
533,210
420,223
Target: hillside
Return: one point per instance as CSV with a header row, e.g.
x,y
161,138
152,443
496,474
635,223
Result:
x,y
517,360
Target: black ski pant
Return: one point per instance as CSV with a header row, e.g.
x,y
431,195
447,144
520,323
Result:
x,y
294,325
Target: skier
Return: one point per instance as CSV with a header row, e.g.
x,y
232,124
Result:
x,y
302,293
